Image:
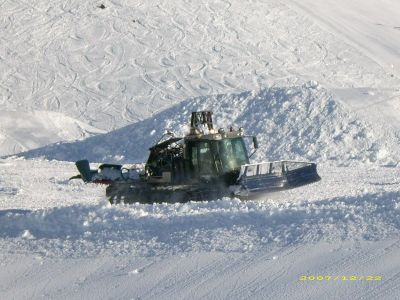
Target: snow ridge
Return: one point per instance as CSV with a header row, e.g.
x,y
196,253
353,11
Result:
x,y
300,122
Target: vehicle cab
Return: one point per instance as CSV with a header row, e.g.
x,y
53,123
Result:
x,y
205,154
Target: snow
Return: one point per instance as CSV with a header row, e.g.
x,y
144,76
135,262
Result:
x,y
22,131
301,122
111,67
314,80
347,224
371,27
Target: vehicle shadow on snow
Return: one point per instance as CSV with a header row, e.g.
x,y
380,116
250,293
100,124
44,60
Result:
x,y
224,225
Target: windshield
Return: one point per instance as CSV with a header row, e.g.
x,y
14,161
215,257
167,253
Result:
x,y
232,154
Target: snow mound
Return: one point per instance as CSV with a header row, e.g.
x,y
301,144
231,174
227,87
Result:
x,y
22,131
301,122
227,225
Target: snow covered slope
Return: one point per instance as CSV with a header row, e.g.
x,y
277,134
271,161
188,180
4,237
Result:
x,y
21,131
371,26
137,67
291,123
114,66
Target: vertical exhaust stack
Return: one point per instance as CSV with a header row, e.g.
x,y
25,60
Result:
x,y
199,120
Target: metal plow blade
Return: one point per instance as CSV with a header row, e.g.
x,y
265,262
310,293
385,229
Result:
x,y
277,175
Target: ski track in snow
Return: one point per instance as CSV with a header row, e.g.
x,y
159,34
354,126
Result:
x,y
372,31
114,66
316,82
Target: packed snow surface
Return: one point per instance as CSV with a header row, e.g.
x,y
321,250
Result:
x,y
347,224
114,66
313,80
372,27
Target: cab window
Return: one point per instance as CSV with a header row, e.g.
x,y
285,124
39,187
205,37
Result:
x,y
201,158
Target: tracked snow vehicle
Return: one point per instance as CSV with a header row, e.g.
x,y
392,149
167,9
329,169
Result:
x,y
205,164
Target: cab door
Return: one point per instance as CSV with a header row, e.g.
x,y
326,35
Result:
x,y
201,158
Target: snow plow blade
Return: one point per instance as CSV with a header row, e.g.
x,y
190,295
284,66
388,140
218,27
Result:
x,y
277,175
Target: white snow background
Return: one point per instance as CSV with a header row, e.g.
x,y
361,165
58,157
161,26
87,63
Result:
x,y
314,80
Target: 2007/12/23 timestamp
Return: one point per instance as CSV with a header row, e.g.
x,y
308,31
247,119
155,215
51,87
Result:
x,y
339,278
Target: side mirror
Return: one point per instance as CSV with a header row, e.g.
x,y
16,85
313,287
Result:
x,y
255,145
255,142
